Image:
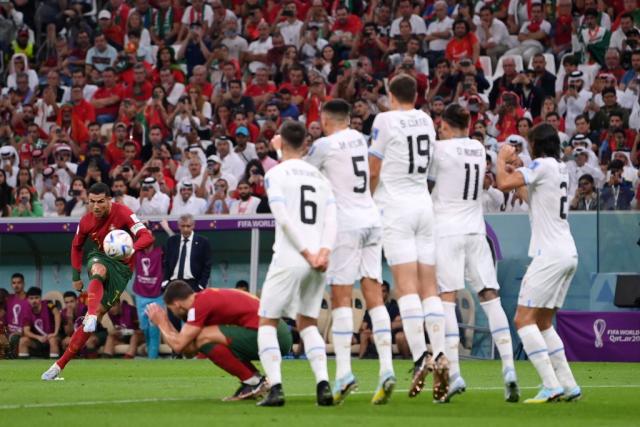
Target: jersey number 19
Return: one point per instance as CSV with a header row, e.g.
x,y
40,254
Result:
x,y
422,151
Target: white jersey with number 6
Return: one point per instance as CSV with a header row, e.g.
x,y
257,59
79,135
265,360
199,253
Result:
x,y
342,158
547,181
458,168
303,206
403,140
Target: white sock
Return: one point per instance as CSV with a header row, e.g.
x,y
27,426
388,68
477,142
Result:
x,y
536,349
254,380
413,324
558,358
451,338
342,331
434,323
53,355
381,328
23,355
269,351
499,326
316,352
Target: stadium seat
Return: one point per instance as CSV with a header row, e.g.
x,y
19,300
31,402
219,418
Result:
x,y
500,71
485,63
467,307
54,296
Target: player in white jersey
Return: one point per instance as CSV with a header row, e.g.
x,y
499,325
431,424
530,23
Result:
x,y
398,160
462,252
304,208
342,157
544,286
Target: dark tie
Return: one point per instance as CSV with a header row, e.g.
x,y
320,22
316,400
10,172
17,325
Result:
x,y
183,258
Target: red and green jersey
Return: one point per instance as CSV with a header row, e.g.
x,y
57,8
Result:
x,y
224,307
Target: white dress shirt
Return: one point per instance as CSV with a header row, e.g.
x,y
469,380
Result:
x,y
187,263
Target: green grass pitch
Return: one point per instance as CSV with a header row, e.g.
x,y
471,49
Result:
x,y
185,393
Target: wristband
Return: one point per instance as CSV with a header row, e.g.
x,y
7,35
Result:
x,y
75,275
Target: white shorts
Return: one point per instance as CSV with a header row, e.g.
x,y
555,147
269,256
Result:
x,y
546,282
290,291
356,254
408,234
465,258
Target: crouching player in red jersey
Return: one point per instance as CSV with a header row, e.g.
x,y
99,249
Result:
x,y
108,276
222,324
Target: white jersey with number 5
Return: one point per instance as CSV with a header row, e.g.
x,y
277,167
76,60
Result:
x,y
303,206
458,168
547,181
342,158
403,140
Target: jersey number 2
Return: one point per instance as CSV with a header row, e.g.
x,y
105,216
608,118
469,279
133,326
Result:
x,y
563,201
356,160
422,151
308,208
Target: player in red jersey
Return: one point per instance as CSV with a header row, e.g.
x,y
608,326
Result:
x,y
109,277
222,324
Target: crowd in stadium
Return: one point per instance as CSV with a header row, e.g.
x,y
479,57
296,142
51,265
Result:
x,y
174,103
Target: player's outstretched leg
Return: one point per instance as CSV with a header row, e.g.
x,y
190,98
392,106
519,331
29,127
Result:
x,y
271,358
536,348
315,350
452,341
499,326
560,365
95,291
78,340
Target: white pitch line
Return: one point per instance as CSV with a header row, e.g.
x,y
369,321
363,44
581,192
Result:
x,y
193,399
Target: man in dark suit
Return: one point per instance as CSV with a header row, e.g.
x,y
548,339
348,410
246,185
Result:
x,y
543,79
188,256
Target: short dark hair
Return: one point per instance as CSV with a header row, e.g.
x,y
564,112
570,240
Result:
x,y
69,294
100,188
177,290
235,81
485,9
462,21
404,88
545,141
34,292
337,108
293,134
591,12
616,114
60,199
17,276
607,90
581,117
587,177
456,116
552,113
570,60
242,284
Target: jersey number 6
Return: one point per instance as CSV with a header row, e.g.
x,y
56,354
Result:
x,y
308,208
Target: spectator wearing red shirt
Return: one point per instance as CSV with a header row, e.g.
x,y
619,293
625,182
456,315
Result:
x,y
200,79
464,44
120,11
114,153
106,100
240,119
141,89
346,22
113,33
261,89
296,86
561,40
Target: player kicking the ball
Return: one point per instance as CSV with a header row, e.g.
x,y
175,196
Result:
x,y
462,252
222,324
543,184
108,276
303,206
342,157
399,160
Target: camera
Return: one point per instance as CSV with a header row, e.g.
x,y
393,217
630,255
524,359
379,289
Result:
x,y
287,13
24,200
154,169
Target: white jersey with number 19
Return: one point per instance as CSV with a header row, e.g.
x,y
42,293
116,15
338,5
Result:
x,y
547,181
403,140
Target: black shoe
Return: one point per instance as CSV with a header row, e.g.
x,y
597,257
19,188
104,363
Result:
x,y
246,391
324,397
274,398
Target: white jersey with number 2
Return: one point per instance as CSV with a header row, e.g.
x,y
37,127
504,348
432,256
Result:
x,y
342,158
547,181
403,140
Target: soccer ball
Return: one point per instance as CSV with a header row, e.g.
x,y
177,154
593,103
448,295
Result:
x,y
118,244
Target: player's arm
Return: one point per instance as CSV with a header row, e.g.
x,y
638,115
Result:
x,y
318,153
328,234
142,236
507,178
375,165
379,137
26,331
178,341
76,254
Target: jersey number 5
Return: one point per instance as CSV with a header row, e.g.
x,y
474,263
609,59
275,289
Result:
x,y
356,161
422,148
308,208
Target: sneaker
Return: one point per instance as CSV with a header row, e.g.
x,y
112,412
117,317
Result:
x,y
457,386
324,397
441,379
274,398
511,389
385,387
248,391
421,369
546,395
52,373
90,322
572,395
343,387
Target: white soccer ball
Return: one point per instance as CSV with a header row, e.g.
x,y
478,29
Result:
x,y
118,244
